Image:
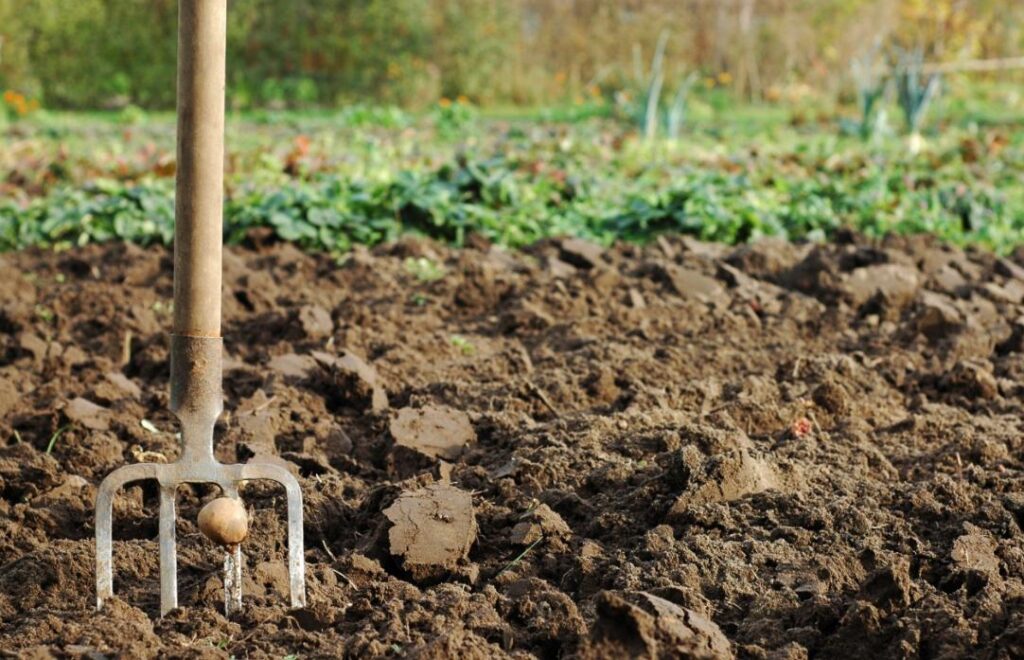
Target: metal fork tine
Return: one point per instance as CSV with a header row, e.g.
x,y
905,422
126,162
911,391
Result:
x,y
168,550
233,581
296,554
105,523
296,549
104,543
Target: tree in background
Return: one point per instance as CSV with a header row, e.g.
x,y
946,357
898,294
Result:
x,y
100,53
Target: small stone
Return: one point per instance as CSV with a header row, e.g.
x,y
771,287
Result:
x,y
972,379
73,356
9,397
540,522
337,442
640,624
34,345
558,269
526,533
705,249
636,299
360,563
69,490
832,397
976,551
948,279
1012,292
938,317
1007,268
765,257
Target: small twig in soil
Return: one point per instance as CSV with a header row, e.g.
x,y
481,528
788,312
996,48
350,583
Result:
x,y
543,399
126,348
518,558
817,427
53,438
344,577
265,404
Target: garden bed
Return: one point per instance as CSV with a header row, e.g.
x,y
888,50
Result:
x,y
768,451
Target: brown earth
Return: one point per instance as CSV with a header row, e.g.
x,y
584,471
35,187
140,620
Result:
x,y
682,450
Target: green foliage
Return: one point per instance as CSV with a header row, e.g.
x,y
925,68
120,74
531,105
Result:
x,y
517,185
464,346
452,118
301,53
424,270
643,101
915,90
871,85
131,47
296,54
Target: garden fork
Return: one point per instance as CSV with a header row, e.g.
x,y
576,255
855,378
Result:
x,y
196,345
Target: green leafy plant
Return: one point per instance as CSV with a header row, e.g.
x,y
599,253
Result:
x,y
643,103
872,84
424,270
465,346
516,186
451,118
915,91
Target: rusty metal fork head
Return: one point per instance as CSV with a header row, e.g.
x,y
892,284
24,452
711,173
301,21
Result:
x,y
197,401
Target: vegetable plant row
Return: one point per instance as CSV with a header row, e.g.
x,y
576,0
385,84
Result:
x,y
516,186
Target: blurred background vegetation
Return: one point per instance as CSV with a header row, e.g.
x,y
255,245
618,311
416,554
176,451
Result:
x,y
356,121
94,54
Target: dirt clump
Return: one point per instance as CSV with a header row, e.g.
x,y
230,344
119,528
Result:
x,y
635,624
316,321
433,431
351,381
88,414
539,523
580,253
432,530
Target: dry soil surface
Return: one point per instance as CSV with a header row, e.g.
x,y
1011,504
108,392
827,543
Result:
x,y
680,450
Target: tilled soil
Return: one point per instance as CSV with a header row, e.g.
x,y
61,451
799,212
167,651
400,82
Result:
x,y
680,450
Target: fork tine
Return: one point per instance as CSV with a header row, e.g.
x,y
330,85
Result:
x,y
105,523
233,581
296,550
168,550
296,554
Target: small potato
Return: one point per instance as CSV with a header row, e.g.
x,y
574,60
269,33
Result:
x,y
224,521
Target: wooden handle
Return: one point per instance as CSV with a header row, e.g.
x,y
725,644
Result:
x,y
199,206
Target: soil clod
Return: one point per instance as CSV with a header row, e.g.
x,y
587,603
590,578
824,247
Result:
x,y
88,414
635,624
432,530
433,431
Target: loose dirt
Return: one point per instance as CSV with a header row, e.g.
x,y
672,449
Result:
x,y
679,450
